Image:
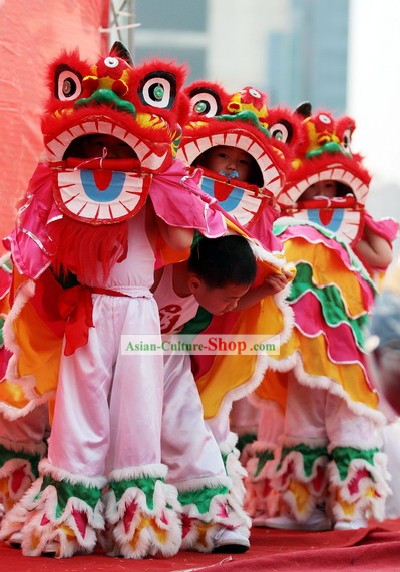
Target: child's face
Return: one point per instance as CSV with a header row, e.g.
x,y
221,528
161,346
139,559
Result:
x,y
320,189
93,146
229,161
217,301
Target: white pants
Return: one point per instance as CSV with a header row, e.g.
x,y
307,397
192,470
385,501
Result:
x,y
108,406
188,446
316,414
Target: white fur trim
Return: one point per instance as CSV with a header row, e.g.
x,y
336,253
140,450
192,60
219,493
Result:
x,y
229,444
154,471
46,468
147,542
23,447
198,484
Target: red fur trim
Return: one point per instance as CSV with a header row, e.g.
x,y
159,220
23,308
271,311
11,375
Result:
x,y
82,247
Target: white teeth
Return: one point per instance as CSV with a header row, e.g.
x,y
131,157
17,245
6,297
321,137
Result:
x,y
153,161
245,142
56,148
266,164
77,131
302,186
311,180
231,139
285,199
337,174
203,145
118,210
257,151
132,141
104,127
348,178
274,186
218,139
105,212
191,151
141,150
89,127
362,192
65,138
119,132
180,155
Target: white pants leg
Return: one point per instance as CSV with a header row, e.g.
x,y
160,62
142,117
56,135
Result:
x,y
188,446
108,406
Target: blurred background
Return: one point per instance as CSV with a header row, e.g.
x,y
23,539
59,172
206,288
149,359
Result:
x,y
341,55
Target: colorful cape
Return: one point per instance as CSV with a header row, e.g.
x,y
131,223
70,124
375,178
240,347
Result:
x,y
75,210
333,293
244,121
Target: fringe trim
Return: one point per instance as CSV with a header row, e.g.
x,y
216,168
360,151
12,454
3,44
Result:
x,y
354,499
261,497
135,531
200,483
74,531
154,471
49,470
16,476
297,490
198,530
229,444
237,473
38,449
12,413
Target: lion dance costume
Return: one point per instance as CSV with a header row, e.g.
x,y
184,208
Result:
x,y
84,218
330,450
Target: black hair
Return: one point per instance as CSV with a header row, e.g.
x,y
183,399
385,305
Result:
x,y
222,261
255,176
342,189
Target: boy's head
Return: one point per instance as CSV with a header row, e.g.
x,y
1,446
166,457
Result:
x,y
221,271
100,145
326,188
231,162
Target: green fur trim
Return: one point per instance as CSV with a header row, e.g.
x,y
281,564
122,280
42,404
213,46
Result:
x,y
245,439
330,298
343,456
279,228
2,320
66,490
8,455
263,458
145,484
201,498
309,454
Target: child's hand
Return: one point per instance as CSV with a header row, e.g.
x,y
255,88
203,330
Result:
x,y
275,283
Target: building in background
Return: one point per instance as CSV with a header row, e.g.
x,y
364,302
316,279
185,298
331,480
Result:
x,y
294,50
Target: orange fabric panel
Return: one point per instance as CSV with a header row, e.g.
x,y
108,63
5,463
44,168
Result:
x,y
32,34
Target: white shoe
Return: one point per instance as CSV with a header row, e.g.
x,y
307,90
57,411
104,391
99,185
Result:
x,y
316,521
15,540
227,540
351,525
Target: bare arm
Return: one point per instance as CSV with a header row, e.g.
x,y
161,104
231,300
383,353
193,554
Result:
x,y
374,250
272,284
176,237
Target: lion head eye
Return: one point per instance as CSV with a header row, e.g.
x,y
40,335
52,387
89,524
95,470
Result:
x,y
158,89
68,84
